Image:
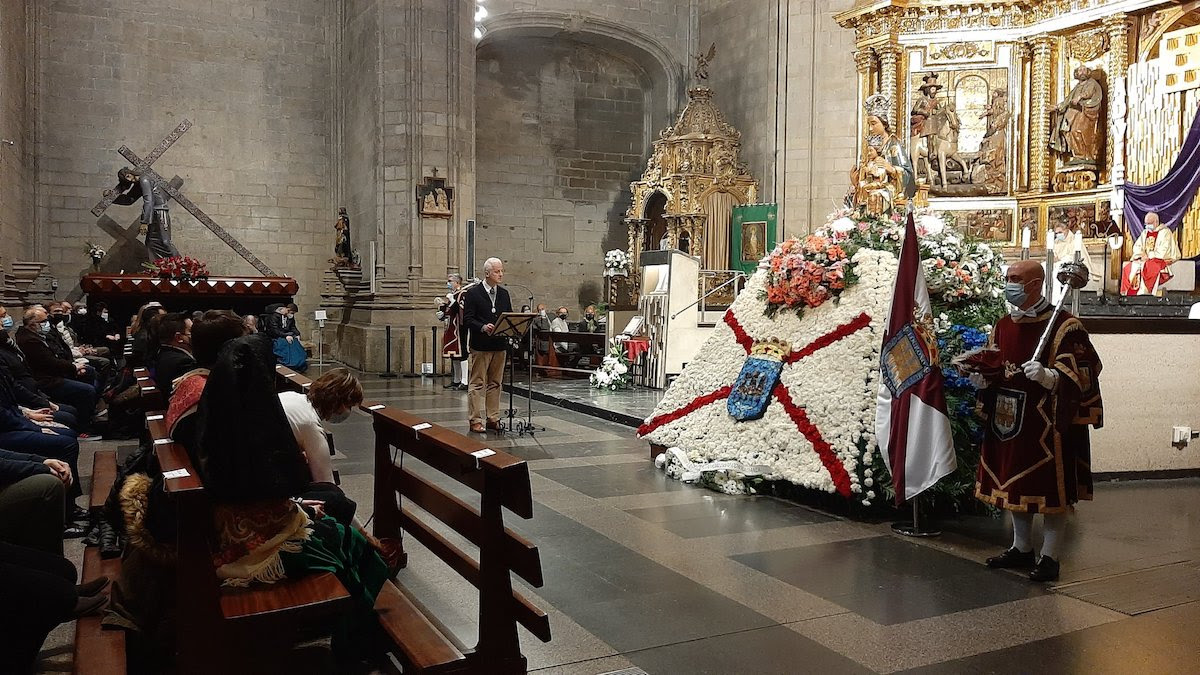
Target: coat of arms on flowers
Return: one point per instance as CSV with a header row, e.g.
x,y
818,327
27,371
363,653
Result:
x,y
752,389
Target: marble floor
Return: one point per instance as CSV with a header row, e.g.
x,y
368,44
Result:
x,y
642,572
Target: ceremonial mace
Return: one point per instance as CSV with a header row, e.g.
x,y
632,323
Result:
x,y
1074,275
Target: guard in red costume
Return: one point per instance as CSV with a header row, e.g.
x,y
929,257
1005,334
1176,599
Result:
x,y
454,338
1036,454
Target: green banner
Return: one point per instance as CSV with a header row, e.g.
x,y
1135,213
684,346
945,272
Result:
x,y
754,235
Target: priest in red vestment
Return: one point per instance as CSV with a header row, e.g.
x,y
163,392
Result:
x,y
1035,456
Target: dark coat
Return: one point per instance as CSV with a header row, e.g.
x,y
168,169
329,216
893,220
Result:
x,y
17,466
477,313
48,368
276,329
172,362
12,362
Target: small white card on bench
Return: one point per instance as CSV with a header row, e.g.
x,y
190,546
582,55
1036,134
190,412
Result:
x,y
377,406
177,473
422,425
290,375
153,418
480,454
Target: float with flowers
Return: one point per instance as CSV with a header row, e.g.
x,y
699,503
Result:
x,y
784,391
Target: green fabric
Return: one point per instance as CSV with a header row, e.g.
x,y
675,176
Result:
x,y
762,219
344,551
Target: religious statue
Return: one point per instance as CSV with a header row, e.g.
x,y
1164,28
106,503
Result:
x,y
1075,126
1153,253
1065,237
878,181
702,61
924,119
343,255
156,213
993,149
878,108
434,198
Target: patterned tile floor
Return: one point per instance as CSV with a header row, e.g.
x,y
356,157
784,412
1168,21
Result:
x,y
641,571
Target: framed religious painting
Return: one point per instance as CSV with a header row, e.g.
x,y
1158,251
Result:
x,y
1072,217
1029,217
753,235
995,223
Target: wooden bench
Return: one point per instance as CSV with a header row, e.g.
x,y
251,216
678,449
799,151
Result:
x,y
252,624
502,482
99,651
566,364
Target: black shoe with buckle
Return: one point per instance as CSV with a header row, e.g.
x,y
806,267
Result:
x,y
1046,570
1011,558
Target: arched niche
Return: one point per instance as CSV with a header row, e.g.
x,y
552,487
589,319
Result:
x,y
664,78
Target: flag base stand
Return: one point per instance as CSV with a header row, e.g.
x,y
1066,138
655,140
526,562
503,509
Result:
x,y
915,528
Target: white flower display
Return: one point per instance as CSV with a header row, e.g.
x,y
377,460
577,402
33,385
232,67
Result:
x,y
835,386
613,372
616,263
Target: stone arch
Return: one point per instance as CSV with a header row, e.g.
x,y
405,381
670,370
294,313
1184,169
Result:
x,y
664,73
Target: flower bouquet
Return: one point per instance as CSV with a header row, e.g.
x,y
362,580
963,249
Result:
x,y
805,273
178,268
616,263
96,253
613,373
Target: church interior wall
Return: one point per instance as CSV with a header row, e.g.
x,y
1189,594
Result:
x,y
744,78
357,99
560,134
17,126
254,78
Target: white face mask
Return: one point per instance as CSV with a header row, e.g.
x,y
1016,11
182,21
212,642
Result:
x,y
82,311
339,418
104,315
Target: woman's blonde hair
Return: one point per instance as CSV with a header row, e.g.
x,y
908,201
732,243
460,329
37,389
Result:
x,y
334,390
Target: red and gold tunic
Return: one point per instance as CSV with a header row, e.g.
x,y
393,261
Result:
x,y
1036,455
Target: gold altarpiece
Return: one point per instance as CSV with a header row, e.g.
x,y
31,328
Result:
x,y
685,197
1003,69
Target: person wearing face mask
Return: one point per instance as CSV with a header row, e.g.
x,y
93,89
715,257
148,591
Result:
x,y
1035,455
174,351
591,323
58,376
559,324
1154,251
329,400
281,328
1064,252
454,343
94,328
6,321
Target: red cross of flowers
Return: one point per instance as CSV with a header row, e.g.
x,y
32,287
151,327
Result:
x,y
837,471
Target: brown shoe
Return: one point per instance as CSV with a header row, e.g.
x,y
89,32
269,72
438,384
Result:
x,y
494,426
477,427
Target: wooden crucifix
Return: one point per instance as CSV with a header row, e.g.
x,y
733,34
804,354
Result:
x,y
142,165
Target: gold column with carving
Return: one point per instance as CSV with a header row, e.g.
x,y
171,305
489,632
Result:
x,y
864,58
889,73
1117,27
1039,115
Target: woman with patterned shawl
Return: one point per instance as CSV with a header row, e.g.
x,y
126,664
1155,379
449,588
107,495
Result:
x,y
251,466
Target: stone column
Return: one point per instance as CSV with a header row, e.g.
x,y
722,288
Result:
x,y
1039,115
889,72
1117,27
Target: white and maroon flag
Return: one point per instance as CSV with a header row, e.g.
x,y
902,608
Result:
x,y
911,422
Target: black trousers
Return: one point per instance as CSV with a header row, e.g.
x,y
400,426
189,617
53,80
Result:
x,y
37,592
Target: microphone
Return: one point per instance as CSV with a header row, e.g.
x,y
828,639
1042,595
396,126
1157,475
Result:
x,y
527,290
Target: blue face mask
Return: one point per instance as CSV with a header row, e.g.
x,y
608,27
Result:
x,y
449,285
1015,294
44,327
6,322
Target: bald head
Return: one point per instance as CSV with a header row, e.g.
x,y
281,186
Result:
x,y
1031,276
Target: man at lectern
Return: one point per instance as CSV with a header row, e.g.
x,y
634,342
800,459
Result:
x,y
482,304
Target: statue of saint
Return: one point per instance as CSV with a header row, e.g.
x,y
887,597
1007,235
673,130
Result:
x,y
993,148
1153,253
343,255
878,107
156,212
702,61
924,119
878,180
1075,124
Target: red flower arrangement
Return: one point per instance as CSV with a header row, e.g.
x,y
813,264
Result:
x,y
179,268
805,273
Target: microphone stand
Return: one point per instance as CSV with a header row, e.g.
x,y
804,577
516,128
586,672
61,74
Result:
x,y
522,426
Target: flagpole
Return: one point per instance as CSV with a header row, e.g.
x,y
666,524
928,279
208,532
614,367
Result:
x,y
915,528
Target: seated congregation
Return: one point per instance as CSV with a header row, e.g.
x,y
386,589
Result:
x,y
263,455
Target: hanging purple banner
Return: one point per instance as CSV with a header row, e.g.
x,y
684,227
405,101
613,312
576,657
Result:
x,y
1172,196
